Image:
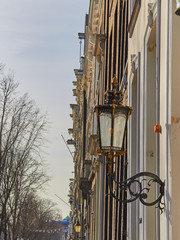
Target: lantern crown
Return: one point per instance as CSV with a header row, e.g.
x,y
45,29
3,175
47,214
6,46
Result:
x,y
114,96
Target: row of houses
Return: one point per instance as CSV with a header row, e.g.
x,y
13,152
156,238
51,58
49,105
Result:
x,y
131,47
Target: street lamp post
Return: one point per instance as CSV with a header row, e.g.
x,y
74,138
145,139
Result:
x,y
112,124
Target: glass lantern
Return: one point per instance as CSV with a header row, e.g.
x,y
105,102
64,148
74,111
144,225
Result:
x,y
112,122
77,227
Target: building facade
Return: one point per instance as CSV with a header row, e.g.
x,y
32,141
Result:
x,y
136,41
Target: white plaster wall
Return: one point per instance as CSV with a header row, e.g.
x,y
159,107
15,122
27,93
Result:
x,y
175,124
137,44
165,222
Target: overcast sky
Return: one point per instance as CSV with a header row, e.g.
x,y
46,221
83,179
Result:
x,y
39,43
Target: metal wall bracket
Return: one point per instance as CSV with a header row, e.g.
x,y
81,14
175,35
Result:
x,y
139,187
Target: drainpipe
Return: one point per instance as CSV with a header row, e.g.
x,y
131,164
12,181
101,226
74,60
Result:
x,y
84,129
101,199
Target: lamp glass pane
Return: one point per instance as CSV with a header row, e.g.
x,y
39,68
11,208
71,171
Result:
x,y
77,228
119,127
105,129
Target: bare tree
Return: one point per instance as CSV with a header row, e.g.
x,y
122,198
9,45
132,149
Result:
x,y
21,170
38,217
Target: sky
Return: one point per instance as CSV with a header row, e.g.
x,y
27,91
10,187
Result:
x,y
39,44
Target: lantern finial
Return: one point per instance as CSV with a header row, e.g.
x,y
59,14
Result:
x,y
115,82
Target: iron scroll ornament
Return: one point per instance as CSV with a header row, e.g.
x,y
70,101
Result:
x,y
143,182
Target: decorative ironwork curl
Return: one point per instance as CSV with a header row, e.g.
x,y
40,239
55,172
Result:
x,y
142,182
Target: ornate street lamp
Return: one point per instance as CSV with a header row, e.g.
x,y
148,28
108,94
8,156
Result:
x,y
112,124
77,227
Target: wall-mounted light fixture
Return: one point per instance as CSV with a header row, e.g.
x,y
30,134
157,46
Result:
x,y
77,227
112,123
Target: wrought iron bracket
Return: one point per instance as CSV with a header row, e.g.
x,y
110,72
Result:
x,y
138,187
